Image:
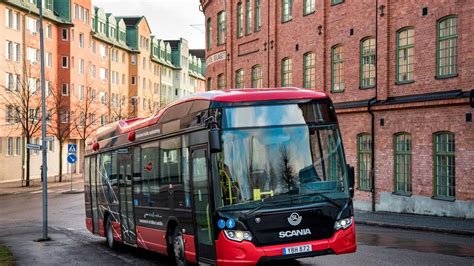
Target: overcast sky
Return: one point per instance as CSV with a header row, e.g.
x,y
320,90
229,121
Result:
x,y
168,19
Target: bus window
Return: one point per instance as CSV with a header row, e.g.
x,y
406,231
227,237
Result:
x,y
106,194
149,169
171,161
137,175
185,171
114,177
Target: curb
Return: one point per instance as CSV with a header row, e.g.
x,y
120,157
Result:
x,y
417,228
21,190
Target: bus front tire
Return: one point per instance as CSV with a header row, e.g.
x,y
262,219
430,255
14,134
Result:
x,y
109,235
178,248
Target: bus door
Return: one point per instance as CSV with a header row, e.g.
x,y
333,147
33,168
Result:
x,y
127,217
202,217
93,191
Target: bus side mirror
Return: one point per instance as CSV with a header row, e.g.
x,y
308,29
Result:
x,y
351,175
215,140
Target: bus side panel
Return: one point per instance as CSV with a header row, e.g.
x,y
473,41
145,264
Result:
x,y
152,239
189,248
151,228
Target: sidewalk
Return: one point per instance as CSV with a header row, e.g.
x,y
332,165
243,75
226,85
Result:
x,y
15,187
416,222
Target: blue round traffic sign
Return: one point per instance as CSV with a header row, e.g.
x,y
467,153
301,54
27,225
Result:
x,y
71,158
230,223
221,224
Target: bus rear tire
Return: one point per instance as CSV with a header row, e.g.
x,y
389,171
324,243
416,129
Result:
x,y
178,248
109,235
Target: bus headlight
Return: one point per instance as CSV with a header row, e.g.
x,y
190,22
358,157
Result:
x,y
343,223
237,235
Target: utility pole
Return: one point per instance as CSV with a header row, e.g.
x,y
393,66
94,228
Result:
x,y
43,131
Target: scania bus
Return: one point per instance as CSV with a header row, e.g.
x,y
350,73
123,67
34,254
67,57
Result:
x,y
234,177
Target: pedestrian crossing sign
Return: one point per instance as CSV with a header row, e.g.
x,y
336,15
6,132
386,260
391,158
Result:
x,y
71,148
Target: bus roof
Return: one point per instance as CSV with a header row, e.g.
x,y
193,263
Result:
x,y
222,96
255,95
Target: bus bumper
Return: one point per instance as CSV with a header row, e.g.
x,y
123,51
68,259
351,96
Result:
x,y
246,253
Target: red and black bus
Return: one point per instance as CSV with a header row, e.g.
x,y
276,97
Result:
x,y
225,177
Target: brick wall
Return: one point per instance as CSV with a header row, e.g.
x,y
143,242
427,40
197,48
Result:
x,y
347,24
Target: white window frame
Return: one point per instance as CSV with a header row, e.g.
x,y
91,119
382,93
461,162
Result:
x,y
67,61
64,89
65,30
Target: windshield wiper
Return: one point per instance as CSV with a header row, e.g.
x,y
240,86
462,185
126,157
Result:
x,y
272,200
267,200
328,199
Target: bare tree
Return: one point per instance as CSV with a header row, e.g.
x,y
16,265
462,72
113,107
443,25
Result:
x,y
87,111
60,121
153,102
23,105
119,107
288,175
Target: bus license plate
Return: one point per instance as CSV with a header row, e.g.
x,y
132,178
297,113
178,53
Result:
x,y
297,249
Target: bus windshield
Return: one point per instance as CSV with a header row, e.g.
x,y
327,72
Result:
x,y
275,152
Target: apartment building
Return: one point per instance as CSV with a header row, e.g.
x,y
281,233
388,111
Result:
x,y
399,73
99,68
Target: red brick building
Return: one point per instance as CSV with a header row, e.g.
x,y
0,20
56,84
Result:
x,y
414,103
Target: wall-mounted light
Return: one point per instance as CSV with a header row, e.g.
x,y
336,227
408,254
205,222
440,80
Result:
x,y
382,8
320,29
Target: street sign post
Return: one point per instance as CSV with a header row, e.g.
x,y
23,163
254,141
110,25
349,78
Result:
x,y
71,158
43,127
35,147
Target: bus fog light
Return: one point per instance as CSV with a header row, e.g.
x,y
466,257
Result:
x,y
237,235
343,223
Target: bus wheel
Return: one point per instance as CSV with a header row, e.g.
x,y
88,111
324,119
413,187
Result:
x,y
109,235
178,248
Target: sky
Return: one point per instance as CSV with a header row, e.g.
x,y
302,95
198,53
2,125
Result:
x,y
168,19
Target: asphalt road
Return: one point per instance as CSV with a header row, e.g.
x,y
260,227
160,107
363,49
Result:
x,y
72,244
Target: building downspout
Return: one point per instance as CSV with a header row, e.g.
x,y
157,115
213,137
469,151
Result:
x,y
372,115
372,149
268,46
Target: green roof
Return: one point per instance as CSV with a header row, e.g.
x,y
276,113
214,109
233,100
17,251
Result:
x,y
59,14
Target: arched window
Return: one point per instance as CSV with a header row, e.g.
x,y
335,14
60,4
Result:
x,y
257,23
367,62
309,6
257,76
209,84
405,55
337,69
248,17
239,78
221,81
209,34
364,158
286,9
402,163
447,46
444,165
308,69
240,18
221,28
286,75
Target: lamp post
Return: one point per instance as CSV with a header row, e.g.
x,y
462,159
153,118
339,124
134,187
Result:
x,y
43,129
